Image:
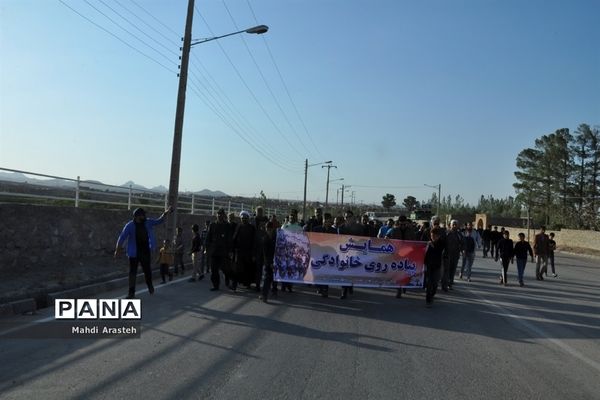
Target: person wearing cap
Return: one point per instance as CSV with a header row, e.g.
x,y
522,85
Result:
x,y
141,242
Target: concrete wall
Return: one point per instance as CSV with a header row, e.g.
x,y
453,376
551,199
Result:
x,y
64,239
566,237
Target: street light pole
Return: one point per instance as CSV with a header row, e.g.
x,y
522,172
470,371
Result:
x,y
439,188
306,165
343,190
337,198
327,186
172,197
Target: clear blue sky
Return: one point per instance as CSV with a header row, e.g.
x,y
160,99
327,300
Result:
x,y
396,93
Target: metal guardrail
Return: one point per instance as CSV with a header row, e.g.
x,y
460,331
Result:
x,y
67,191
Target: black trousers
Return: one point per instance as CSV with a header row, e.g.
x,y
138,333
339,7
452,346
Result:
x,y
144,260
494,249
218,263
432,277
505,262
486,248
179,263
268,281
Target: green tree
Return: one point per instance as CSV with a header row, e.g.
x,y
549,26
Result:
x,y
586,152
544,178
389,201
410,202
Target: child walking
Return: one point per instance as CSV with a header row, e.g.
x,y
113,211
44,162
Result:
x,y
165,259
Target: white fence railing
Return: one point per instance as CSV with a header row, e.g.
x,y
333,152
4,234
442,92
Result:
x,y
26,187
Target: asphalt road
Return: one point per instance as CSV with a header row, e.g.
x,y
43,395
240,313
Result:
x,y
480,341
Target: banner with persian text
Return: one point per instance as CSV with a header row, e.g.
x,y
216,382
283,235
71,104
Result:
x,y
329,259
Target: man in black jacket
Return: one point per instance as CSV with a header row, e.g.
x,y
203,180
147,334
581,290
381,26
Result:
x,y
486,237
218,243
453,249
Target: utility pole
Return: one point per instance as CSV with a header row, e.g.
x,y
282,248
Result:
x,y
177,135
305,178
328,166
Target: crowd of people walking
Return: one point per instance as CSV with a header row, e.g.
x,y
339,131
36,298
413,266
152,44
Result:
x,y
242,251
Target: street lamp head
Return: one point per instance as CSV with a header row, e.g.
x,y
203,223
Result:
x,y
328,162
260,29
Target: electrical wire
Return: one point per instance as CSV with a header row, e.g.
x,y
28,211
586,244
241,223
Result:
x,y
198,93
148,25
216,103
129,32
118,38
156,19
284,84
139,29
291,145
264,79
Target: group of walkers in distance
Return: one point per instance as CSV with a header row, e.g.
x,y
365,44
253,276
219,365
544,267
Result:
x,y
242,252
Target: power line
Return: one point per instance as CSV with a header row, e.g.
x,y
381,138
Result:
x,y
249,89
198,93
148,25
224,113
285,85
117,37
138,28
156,19
265,81
126,30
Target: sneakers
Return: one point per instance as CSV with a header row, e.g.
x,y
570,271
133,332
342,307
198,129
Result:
x,y
554,275
521,283
151,290
460,276
468,279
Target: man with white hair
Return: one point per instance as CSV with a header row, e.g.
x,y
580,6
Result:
x,y
454,245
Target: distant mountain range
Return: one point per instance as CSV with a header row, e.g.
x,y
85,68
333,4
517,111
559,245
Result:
x,y
18,177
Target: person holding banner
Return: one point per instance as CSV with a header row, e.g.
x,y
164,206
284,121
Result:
x,y
349,227
267,244
291,225
326,227
402,231
433,264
